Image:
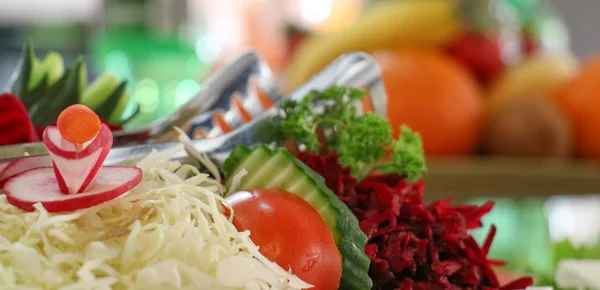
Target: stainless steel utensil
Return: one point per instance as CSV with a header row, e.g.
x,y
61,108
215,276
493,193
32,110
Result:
x,y
235,78
354,70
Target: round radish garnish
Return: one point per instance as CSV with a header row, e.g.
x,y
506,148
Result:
x,y
77,165
12,168
41,185
74,179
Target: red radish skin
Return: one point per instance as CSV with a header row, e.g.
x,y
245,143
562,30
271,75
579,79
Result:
x,y
15,124
2,166
40,185
12,168
76,170
39,130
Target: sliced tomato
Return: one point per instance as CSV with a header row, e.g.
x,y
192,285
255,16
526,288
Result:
x,y
291,233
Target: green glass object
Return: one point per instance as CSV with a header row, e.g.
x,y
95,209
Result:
x,y
162,68
539,19
522,238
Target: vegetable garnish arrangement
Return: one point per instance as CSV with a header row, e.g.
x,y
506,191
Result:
x,y
411,244
76,179
159,225
337,210
44,88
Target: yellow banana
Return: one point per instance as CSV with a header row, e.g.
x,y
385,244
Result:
x,y
538,76
384,25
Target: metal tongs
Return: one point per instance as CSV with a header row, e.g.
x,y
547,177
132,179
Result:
x,y
237,79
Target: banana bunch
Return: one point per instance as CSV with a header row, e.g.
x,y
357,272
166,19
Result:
x,y
46,89
539,75
385,24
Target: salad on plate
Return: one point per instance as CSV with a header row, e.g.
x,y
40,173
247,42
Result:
x,y
337,204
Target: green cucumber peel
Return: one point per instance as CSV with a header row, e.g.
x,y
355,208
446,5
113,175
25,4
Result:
x,y
117,115
19,84
82,77
53,65
129,118
108,107
263,162
99,91
34,96
64,93
37,74
45,88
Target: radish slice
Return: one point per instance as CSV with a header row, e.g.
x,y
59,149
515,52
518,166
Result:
x,y
41,185
76,170
12,168
3,165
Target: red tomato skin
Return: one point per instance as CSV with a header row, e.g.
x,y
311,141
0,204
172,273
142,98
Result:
x,y
291,233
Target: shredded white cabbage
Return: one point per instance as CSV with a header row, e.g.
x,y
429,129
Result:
x,y
201,157
167,233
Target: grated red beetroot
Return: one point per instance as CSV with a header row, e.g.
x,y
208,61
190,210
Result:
x,y
413,245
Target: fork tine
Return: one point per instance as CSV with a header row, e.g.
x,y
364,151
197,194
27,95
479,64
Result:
x,y
369,70
352,71
236,102
215,93
357,69
262,96
354,68
239,84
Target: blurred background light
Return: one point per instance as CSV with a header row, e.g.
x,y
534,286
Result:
x,y
147,95
54,11
208,47
316,11
185,90
117,63
574,218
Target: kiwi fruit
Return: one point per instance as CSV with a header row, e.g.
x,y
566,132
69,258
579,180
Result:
x,y
528,127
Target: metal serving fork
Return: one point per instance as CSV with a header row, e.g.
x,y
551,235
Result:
x,y
241,77
353,70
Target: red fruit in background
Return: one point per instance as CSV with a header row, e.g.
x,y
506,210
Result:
x,y
293,42
15,124
529,45
481,54
294,37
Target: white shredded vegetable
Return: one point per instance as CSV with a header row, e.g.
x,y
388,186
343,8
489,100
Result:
x,y
167,233
201,157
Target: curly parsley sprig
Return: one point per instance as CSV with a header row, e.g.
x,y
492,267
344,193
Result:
x,y
362,141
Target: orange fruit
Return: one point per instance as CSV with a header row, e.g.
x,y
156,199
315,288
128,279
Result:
x,y
435,96
579,99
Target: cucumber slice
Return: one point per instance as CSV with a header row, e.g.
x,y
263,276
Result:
x,y
278,169
37,74
99,91
54,66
